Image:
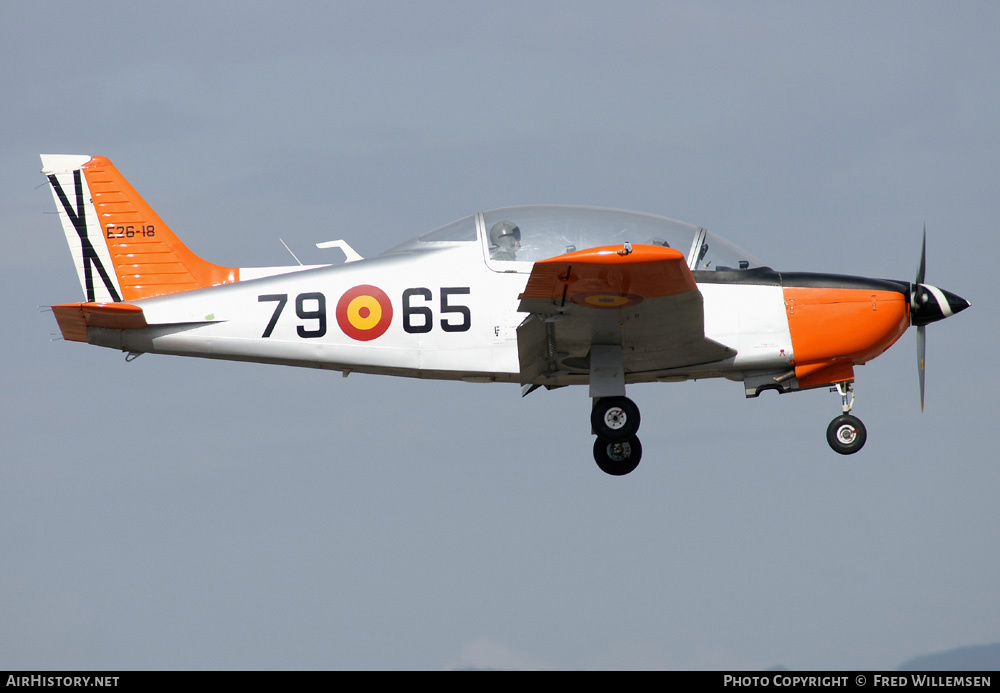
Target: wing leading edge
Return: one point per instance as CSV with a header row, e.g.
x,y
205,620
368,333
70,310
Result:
x,y
638,304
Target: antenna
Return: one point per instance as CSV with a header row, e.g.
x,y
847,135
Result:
x,y
290,251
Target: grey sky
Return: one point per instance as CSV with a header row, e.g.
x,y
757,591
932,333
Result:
x,y
177,513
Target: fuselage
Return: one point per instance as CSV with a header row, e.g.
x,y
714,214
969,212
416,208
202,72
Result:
x,y
442,312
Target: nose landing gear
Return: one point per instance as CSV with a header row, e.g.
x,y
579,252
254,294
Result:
x,y
846,434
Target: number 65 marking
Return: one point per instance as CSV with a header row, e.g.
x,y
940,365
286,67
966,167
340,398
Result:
x,y
426,317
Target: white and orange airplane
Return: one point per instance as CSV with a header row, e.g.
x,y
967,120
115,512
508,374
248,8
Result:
x,y
541,296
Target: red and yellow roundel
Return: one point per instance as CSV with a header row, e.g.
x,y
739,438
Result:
x,y
364,312
606,299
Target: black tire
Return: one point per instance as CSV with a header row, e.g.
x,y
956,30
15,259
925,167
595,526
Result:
x,y
617,458
846,434
615,418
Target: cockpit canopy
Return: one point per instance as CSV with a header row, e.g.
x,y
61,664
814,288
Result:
x,y
515,237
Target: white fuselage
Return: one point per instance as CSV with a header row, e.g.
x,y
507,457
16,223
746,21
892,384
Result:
x,y
452,317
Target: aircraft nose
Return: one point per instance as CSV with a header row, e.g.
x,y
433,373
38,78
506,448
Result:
x,y
929,304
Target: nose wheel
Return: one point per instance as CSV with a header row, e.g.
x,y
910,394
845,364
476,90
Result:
x,y
615,421
846,434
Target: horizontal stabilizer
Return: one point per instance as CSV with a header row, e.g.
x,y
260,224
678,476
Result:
x,y
75,318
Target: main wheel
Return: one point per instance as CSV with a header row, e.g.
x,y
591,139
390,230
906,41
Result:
x,y
846,434
615,418
617,458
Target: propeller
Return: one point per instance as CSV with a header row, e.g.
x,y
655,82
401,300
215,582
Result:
x,y
929,304
921,329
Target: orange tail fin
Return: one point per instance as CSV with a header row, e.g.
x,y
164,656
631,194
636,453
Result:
x,y
122,249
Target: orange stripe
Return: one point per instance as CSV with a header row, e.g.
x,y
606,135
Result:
x,y
146,264
841,327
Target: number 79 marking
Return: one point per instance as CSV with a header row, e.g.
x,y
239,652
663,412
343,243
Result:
x,y
282,299
318,314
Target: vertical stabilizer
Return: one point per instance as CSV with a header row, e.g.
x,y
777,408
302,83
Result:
x,y
122,250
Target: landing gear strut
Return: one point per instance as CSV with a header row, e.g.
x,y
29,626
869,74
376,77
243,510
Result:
x,y
615,421
846,434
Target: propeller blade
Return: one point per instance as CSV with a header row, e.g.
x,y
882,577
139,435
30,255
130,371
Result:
x,y
923,258
929,304
921,329
921,352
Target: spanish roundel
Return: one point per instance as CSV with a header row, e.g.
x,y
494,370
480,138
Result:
x,y
605,299
364,312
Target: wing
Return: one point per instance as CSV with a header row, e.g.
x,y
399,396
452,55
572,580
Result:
x,y
609,314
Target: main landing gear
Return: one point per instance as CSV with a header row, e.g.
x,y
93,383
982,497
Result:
x,y
846,434
615,421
